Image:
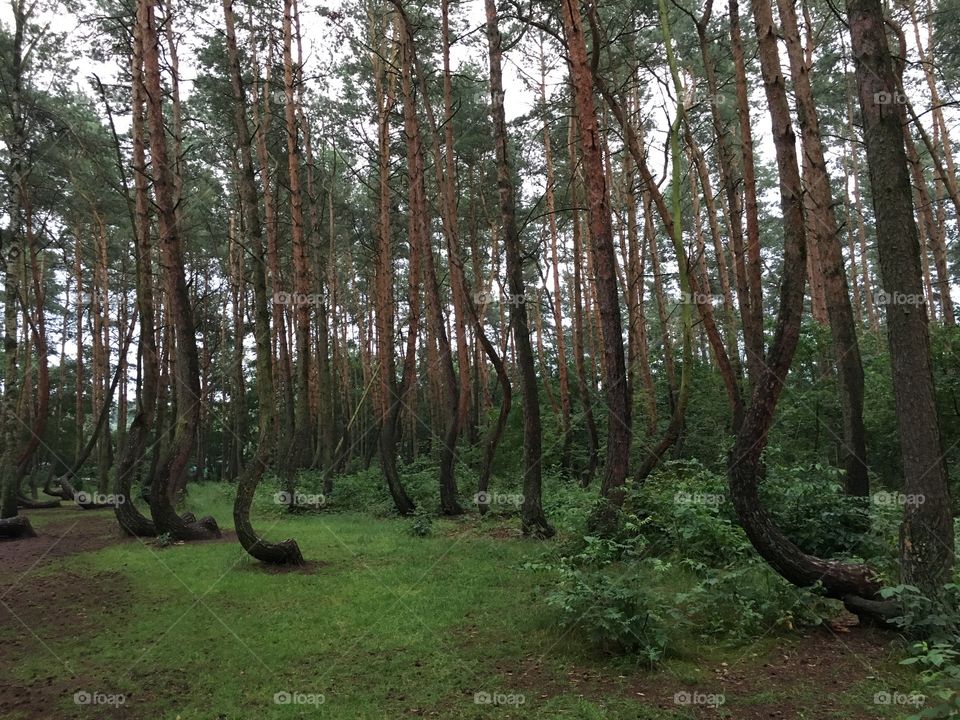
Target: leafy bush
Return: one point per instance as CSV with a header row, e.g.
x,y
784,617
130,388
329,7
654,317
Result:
x,y
422,523
808,503
686,512
934,624
747,600
678,564
617,612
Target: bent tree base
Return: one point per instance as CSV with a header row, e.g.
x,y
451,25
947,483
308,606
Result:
x,y
282,553
857,586
16,528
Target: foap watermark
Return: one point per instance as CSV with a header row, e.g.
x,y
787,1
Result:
x,y
695,697
885,697
698,498
898,499
884,298
286,697
86,697
300,499
495,498
98,498
700,298
483,697
887,98
294,299
494,298
691,96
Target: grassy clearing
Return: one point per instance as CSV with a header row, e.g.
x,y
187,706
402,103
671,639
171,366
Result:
x,y
385,625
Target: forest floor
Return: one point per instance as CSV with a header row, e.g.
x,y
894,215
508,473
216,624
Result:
x,y
382,625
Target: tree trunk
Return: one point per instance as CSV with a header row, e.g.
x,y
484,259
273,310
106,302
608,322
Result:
x,y
926,535
586,401
825,235
753,319
449,504
389,399
617,464
533,519
131,520
12,526
839,580
173,467
286,552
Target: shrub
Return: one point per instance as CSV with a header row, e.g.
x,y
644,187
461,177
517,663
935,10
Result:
x,y
422,523
934,625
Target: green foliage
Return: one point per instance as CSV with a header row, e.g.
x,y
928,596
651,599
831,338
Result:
x,y
616,612
687,512
422,523
808,503
934,624
679,542
748,600
601,590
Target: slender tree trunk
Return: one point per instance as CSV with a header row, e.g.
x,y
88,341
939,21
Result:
x,y
562,368
675,427
389,399
617,463
301,433
449,503
586,402
926,535
753,320
825,236
532,515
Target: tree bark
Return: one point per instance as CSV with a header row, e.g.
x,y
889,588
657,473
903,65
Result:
x,y
173,467
839,580
533,519
286,552
926,535
825,235
10,524
617,463
449,504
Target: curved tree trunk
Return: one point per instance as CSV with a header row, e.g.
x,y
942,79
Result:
x,y
851,583
286,552
173,467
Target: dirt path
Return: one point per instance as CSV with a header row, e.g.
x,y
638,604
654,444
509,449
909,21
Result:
x,y
36,607
62,532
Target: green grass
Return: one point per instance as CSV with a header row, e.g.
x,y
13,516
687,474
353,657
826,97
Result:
x,y
387,624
